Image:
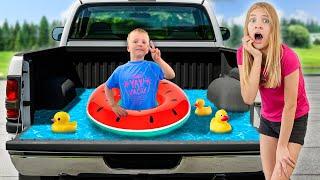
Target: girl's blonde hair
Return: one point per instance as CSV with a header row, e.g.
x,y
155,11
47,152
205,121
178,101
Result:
x,y
272,70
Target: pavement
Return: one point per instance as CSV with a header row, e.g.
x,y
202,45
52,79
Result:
x,y
308,166
7,170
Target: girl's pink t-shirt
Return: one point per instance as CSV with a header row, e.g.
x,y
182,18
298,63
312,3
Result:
x,y
272,99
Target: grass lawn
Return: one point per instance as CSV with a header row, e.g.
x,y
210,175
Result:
x,y
5,57
310,59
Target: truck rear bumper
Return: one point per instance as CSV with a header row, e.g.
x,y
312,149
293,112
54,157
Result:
x,y
54,165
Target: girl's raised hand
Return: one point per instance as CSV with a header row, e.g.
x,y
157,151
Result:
x,y
247,44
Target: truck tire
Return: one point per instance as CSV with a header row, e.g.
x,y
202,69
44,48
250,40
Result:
x,y
23,177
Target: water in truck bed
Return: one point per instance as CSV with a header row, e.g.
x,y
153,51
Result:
x,y
195,129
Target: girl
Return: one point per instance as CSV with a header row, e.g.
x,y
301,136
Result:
x,y
273,68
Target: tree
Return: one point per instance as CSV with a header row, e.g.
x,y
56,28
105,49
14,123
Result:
x,y
14,34
25,36
284,22
43,32
22,38
316,42
33,30
18,42
298,36
296,22
1,40
313,26
6,35
52,42
235,37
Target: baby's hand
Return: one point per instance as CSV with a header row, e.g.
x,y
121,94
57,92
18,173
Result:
x,y
155,52
119,111
247,44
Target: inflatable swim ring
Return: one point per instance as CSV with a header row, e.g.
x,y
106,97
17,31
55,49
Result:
x,y
172,111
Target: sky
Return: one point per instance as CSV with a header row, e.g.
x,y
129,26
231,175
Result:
x,y
235,10
231,11
33,10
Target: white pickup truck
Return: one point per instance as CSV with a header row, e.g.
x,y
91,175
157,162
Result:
x,y
92,45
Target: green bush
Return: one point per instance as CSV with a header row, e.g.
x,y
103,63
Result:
x,y
297,36
316,42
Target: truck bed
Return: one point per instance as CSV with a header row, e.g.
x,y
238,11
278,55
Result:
x,y
88,67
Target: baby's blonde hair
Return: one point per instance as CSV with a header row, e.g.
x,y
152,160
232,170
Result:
x,y
139,30
273,60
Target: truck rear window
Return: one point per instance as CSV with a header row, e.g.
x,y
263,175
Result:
x,y
163,22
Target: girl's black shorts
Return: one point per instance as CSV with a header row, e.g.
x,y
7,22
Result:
x,y
272,129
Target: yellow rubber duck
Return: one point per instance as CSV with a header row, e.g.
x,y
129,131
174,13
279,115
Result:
x,y
219,124
200,109
61,123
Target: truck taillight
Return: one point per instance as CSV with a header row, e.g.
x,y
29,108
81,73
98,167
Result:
x,y
12,99
12,90
12,113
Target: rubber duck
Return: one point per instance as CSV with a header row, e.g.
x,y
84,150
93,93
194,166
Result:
x,y
200,109
219,124
61,123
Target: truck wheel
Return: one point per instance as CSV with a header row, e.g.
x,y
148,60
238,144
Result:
x,y
23,177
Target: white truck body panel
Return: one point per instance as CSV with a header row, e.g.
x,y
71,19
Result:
x,y
157,43
15,67
25,96
73,165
